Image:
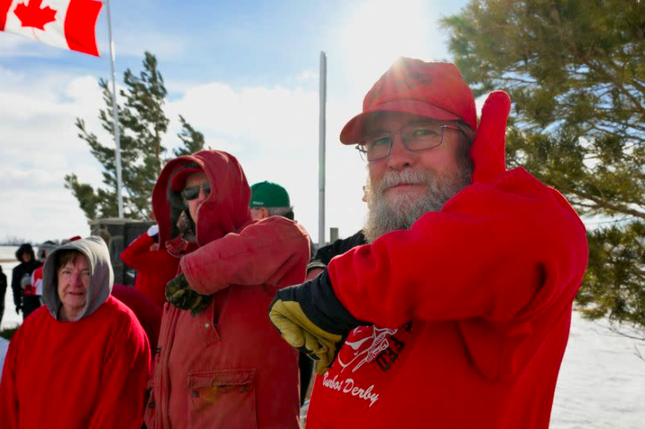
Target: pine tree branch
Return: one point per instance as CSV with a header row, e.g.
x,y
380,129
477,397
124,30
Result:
x,y
603,203
618,85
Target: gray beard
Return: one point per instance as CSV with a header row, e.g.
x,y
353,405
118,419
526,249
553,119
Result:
x,y
386,215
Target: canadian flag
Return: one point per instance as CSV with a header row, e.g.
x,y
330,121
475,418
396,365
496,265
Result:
x,y
68,24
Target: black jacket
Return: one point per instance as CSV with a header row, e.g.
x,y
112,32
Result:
x,y
21,270
3,289
327,253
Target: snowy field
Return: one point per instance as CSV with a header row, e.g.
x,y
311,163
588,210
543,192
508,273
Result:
x,y
602,381
10,318
601,384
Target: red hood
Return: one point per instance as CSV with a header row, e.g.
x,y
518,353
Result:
x,y
226,209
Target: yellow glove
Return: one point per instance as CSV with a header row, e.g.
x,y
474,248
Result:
x,y
311,319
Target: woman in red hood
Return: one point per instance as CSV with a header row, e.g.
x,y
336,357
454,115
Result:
x,y
222,364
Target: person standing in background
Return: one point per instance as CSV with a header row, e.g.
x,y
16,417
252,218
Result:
x,y
33,292
28,263
155,266
3,291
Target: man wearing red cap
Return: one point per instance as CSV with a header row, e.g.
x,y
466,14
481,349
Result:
x,y
456,314
219,362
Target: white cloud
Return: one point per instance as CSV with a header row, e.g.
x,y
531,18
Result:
x,y
274,134
272,131
39,146
13,46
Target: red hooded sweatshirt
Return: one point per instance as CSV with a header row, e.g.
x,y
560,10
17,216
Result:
x,y
470,308
227,367
87,373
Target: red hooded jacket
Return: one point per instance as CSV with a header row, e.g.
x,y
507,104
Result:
x,y
471,307
227,367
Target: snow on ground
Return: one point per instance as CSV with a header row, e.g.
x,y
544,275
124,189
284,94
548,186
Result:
x,y
11,318
4,344
602,380
601,383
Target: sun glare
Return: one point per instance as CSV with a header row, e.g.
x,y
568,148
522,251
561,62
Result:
x,y
379,31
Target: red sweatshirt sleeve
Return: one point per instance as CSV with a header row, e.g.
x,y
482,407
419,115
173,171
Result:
x,y
138,254
493,250
8,395
126,371
263,253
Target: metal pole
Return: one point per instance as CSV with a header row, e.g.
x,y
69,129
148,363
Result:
x,y
115,114
321,155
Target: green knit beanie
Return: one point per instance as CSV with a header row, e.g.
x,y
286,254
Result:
x,y
268,194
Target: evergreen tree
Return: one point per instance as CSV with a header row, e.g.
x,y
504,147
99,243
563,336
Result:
x,y
193,140
575,70
143,124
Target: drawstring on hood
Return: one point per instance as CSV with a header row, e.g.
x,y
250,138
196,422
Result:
x,y
101,276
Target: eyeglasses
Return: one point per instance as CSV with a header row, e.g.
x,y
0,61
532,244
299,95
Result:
x,y
192,192
416,137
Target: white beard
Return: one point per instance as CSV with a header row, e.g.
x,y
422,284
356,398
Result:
x,y
400,211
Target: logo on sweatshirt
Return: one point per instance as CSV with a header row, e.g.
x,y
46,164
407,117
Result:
x,y
350,387
366,344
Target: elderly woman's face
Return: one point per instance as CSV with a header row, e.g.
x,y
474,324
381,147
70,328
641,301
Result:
x,y
73,284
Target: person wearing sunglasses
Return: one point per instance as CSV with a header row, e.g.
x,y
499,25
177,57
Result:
x,y
456,312
219,361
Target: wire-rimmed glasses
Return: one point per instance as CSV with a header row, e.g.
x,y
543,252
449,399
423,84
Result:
x,y
416,137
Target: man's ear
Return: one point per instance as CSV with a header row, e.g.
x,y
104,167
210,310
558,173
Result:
x,y
265,212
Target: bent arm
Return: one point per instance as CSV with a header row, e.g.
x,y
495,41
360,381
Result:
x,y
138,254
488,254
263,253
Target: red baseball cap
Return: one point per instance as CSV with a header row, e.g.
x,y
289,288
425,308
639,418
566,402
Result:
x,y
435,90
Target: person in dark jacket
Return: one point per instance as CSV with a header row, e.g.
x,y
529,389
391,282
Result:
x,y
3,290
28,263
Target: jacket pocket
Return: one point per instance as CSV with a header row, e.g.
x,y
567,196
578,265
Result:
x,y
222,399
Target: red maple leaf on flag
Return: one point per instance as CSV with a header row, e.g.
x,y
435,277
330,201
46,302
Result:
x,y
32,15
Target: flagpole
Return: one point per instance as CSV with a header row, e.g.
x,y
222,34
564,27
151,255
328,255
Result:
x,y
115,113
321,154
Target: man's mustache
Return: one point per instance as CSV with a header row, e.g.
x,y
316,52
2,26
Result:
x,y
403,177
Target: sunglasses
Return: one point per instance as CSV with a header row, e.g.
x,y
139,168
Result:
x,y
192,192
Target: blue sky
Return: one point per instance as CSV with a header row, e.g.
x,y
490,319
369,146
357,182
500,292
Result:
x,y
244,73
